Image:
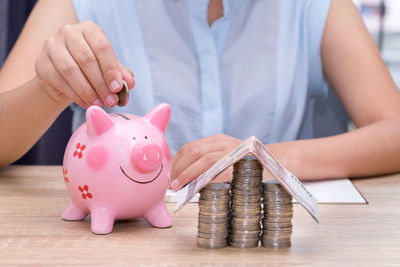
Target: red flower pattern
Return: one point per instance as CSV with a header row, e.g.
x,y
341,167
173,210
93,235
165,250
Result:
x,y
85,192
65,173
79,149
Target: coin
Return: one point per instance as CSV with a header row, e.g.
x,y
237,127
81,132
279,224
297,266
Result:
x,y
215,191
211,243
248,175
211,197
275,245
245,192
276,221
246,219
248,160
213,222
276,235
246,187
215,236
245,178
241,202
246,212
278,206
246,198
277,197
214,202
211,213
243,227
277,231
123,95
246,205
217,187
278,214
213,227
238,239
257,211
242,244
247,171
212,219
277,200
214,208
247,232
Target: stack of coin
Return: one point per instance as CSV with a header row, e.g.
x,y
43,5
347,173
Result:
x,y
278,214
246,203
213,228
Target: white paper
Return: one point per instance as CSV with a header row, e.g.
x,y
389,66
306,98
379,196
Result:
x,y
252,145
338,191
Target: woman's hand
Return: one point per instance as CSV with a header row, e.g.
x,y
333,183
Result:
x,y
196,157
78,64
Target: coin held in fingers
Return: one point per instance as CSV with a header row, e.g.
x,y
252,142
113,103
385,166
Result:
x,y
123,95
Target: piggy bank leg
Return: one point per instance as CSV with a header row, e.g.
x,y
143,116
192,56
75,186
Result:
x,y
73,213
159,216
102,221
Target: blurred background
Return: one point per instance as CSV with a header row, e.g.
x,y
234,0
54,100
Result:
x,y
382,18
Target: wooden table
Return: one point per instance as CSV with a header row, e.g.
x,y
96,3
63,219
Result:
x,y
32,232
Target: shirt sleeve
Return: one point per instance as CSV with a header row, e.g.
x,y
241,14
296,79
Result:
x,y
317,13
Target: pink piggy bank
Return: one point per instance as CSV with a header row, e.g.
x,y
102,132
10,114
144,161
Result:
x,y
117,166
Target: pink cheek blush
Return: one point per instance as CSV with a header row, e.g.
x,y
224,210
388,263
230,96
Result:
x,y
97,157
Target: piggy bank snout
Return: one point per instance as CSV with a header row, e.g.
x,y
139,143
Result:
x,y
146,157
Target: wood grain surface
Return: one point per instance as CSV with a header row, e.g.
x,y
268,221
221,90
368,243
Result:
x,y
32,199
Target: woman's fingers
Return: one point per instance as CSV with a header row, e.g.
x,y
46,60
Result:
x,y
194,170
87,62
191,148
196,157
191,152
84,58
70,71
104,53
47,72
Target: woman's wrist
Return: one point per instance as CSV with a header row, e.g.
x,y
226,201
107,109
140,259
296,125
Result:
x,y
287,155
50,96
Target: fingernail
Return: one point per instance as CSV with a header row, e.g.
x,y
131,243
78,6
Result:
x,y
114,86
112,100
175,184
98,102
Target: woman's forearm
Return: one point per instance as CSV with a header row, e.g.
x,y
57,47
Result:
x,y
371,150
25,114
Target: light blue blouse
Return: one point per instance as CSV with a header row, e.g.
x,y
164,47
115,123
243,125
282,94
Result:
x,y
255,71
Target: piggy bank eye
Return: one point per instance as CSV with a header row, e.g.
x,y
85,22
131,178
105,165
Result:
x,y
134,138
145,137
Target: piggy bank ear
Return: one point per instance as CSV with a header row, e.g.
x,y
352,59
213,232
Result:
x,y
97,121
159,116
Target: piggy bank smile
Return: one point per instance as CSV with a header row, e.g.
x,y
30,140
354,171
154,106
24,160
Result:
x,y
142,182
